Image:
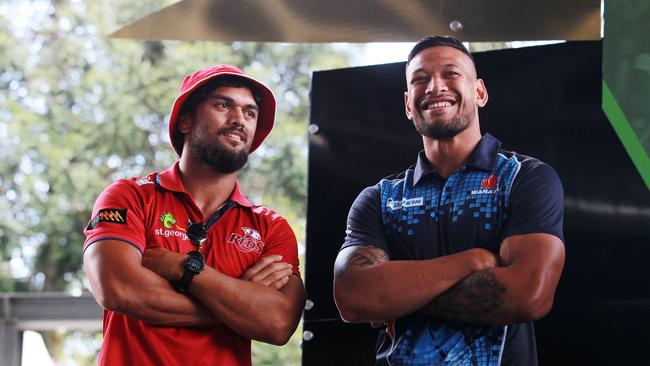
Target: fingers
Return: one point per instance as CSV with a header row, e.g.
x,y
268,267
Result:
x,y
280,283
272,273
259,266
269,271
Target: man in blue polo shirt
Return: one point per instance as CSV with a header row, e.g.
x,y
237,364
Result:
x,y
461,252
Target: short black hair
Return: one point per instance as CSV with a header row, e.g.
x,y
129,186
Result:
x,y
434,41
203,92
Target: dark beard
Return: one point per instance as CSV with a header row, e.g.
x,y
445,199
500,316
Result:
x,y
219,159
442,130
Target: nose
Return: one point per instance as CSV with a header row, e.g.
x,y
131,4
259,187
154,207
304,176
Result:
x,y
236,116
436,86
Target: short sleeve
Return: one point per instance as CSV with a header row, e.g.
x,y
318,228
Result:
x,y
118,215
364,224
536,202
282,241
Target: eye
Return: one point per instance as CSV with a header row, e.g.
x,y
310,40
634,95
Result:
x,y
251,113
221,105
419,79
451,74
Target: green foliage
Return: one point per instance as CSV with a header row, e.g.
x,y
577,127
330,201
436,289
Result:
x,y
287,355
79,110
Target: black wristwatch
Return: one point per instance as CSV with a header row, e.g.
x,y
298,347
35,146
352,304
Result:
x,y
193,265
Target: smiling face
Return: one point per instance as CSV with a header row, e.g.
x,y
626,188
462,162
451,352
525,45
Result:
x,y
220,132
443,94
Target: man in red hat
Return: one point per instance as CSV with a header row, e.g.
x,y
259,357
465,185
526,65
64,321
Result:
x,y
187,269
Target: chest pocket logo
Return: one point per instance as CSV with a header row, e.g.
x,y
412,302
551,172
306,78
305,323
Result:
x,y
489,185
404,202
250,241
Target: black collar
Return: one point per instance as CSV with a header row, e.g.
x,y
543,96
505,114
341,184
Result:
x,y
483,157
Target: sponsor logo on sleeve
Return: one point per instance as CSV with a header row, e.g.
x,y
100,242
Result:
x,y
250,241
109,215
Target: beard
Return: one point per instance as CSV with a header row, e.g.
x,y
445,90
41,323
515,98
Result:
x,y
217,156
444,129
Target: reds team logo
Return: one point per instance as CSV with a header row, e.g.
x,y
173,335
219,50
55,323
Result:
x,y
249,242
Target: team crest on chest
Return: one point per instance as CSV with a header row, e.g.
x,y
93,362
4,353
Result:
x,y
250,241
489,185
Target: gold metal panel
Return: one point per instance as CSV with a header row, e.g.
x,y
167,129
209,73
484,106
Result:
x,y
368,20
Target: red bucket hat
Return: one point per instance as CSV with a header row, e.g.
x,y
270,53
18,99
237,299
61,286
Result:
x,y
266,117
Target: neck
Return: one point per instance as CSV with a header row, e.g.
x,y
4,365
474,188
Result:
x,y
208,189
448,155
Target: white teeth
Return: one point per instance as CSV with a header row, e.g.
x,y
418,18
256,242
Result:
x,y
436,105
439,104
234,136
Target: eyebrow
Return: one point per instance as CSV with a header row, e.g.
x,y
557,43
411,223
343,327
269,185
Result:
x,y
230,100
421,69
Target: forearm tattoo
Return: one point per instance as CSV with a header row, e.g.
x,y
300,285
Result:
x,y
367,256
476,299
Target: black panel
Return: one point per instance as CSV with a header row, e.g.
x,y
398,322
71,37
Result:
x,y
544,102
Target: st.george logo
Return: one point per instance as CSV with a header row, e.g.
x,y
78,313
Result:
x,y
249,242
169,222
170,229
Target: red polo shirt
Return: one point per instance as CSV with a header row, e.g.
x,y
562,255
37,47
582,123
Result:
x,y
154,211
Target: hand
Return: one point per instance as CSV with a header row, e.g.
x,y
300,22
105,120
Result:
x,y
165,263
484,259
269,271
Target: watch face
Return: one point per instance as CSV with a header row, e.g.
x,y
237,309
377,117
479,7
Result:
x,y
194,264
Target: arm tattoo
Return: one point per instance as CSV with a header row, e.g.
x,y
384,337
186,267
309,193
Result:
x,y
366,256
475,299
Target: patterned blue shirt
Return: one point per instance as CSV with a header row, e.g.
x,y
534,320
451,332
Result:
x,y
419,215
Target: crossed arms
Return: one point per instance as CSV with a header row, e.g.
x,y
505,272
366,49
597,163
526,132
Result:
x,y
473,286
264,304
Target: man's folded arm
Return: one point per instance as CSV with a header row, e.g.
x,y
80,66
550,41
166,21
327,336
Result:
x,y
120,283
521,289
369,287
250,309
265,307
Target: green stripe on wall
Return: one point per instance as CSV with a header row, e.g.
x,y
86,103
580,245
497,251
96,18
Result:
x,y
626,134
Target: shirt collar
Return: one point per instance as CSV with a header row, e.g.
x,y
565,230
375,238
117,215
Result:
x,y
484,157
485,154
422,168
170,180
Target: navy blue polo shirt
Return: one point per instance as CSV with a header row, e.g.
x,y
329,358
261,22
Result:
x,y
418,215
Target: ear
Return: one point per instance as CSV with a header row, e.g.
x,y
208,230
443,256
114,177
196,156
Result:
x,y
481,93
409,113
185,123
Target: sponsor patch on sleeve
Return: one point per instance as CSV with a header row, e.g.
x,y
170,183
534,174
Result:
x,y
112,215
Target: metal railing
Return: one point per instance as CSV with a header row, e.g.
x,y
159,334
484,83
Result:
x,y
42,311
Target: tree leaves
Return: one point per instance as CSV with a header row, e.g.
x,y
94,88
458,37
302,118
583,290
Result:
x,y
80,110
